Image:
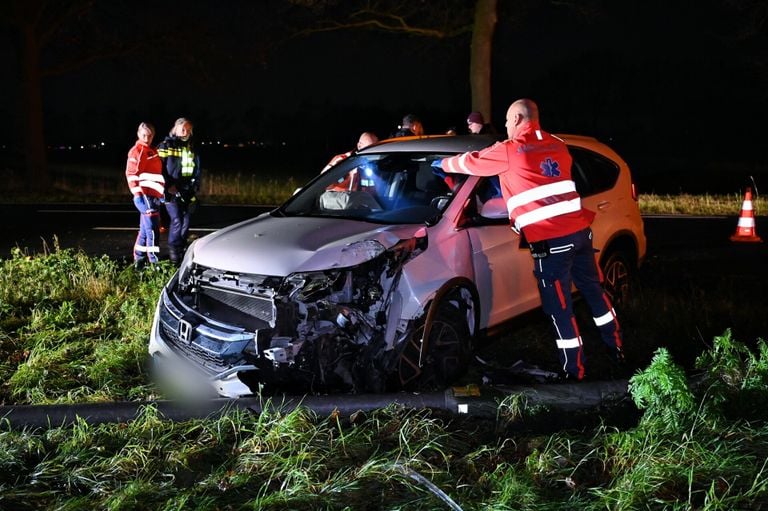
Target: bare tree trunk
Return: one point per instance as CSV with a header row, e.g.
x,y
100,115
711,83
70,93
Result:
x,y
480,56
37,176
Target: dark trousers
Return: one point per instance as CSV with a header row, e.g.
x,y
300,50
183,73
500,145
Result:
x,y
180,214
571,259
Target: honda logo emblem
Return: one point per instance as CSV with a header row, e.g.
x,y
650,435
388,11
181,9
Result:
x,y
185,331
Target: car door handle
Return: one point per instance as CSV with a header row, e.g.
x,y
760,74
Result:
x,y
603,205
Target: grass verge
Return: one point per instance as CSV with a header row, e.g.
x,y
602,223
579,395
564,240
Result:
x,y
691,449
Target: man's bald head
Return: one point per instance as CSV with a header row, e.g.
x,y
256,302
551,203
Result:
x,y
519,113
366,139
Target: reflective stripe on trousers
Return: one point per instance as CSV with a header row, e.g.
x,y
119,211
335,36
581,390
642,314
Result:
x,y
571,259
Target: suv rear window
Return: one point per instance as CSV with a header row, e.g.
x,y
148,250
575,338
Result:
x,y
592,172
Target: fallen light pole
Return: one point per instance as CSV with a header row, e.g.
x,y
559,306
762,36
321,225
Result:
x,y
472,400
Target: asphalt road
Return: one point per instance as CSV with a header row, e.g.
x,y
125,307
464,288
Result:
x,y
97,228
111,228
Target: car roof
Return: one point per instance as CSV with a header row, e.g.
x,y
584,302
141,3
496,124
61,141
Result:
x,y
432,144
456,143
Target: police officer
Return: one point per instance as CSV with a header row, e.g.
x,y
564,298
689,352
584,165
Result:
x,y
534,170
410,127
181,170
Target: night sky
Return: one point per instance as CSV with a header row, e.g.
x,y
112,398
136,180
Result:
x,y
680,85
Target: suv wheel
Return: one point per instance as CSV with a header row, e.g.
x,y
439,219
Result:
x,y
448,352
617,274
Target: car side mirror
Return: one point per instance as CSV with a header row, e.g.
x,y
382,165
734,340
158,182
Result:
x,y
494,209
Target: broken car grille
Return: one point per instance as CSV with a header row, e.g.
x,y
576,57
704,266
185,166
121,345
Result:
x,y
191,350
254,306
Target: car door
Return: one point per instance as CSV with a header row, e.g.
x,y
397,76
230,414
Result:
x,y
503,270
596,176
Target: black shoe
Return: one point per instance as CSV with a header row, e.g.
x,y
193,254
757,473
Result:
x,y
566,377
139,264
619,358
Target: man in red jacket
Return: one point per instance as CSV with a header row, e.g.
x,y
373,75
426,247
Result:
x,y
534,170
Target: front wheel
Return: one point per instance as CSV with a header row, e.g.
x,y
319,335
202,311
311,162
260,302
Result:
x,y
446,357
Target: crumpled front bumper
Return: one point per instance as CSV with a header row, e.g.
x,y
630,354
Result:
x,y
187,356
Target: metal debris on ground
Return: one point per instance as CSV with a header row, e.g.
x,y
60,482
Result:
x,y
518,372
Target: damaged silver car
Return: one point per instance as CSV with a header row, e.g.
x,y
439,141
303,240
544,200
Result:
x,y
377,275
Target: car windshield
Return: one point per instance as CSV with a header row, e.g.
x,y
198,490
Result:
x,y
388,188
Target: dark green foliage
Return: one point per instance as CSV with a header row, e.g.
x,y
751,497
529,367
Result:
x,y
74,328
662,392
736,378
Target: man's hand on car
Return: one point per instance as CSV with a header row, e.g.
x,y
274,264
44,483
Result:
x,y
437,168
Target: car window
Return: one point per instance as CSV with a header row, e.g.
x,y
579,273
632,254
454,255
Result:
x,y
592,172
387,188
487,206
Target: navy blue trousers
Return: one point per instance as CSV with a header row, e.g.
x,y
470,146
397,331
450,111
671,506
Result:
x,y
180,214
571,260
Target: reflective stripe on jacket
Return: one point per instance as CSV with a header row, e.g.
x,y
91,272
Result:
x,y
144,171
534,172
181,166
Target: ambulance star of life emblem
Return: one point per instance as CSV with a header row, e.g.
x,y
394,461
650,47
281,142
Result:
x,y
550,168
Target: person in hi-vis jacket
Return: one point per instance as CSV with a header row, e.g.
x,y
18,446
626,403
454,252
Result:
x,y
144,173
181,169
534,170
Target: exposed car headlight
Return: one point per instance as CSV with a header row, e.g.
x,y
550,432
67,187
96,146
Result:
x,y
313,285
186,264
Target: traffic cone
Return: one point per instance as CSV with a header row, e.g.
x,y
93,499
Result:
x,y
745,229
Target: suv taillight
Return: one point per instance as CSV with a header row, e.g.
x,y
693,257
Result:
x,y
634,192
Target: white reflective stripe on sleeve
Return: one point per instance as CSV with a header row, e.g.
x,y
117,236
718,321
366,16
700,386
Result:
x,y
540,192
457,165
605,318
565,344
545,212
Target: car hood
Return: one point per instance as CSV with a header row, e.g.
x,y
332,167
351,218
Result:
x,y
279,246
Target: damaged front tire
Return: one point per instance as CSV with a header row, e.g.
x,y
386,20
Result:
x,y
444,357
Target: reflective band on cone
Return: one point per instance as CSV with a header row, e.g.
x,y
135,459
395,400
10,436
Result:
x,y
745,229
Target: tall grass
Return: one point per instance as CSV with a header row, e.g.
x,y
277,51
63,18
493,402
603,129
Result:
x,y
74,328
694,456
704,204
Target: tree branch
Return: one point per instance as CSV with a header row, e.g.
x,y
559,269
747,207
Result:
x,y
395,20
